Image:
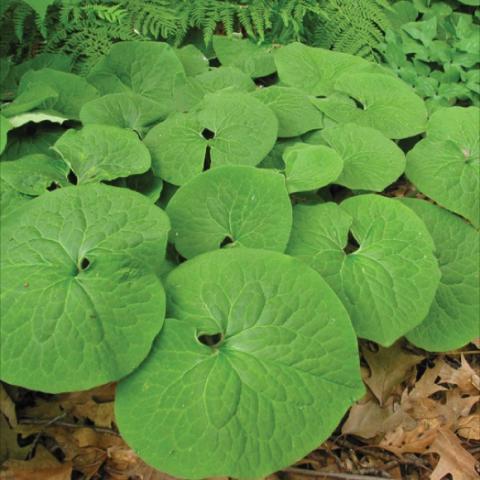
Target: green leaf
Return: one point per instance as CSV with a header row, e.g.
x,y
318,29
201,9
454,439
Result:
x,y
10,198
399,115
255,60
124,110
34,174
242,205
309,167
145,183
425,31
388,283
371,161
5,127
244,130
30,99
445,165
285,368
315,70
190,91
23,142
36,117
72,91
193,60
102,152
295,112
80,299
454,316
149,69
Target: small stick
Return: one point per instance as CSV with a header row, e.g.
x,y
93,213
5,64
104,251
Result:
x,y
54,421
346,476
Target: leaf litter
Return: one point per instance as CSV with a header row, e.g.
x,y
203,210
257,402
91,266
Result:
x,y
420,419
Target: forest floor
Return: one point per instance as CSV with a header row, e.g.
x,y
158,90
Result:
x,y
420,419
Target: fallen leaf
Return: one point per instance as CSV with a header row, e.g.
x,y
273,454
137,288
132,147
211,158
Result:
x,y
388,368
7,407
367,418
9,447
44,466
454,459
465,377
469,427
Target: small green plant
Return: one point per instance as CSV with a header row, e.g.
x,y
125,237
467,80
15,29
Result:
x,y
215,239
435,47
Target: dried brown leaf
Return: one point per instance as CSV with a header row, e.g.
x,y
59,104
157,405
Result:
x,y
44,466
454,459
389,367
7,407
469,427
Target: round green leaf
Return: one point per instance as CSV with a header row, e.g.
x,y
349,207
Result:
x,y
295,112
34,174
274,386
255,60
193,60
102,152
26,141
386,103
236,204
454,317
308,167
192,90
10,198
149,69
389,282
371,160
243,131
446,164
29,99
71,91
125,110
314,70
80,298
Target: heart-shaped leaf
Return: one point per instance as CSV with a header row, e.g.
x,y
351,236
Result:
x,y
309,167
235,128
150,69
387,283
62,93
378,101
102,152
191,91
260,344
125,110
454,316
446,164
315,70
40,139
255,60
295,112
232,204
34,174
80,299
193,60
371,160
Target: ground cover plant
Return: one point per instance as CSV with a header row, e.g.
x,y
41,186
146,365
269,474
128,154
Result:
x,y
217,238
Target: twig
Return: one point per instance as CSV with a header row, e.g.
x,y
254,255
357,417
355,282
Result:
x,y
468,352
38,435
54,421
346,476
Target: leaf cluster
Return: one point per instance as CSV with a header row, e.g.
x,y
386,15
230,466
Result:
x,y
216,239
435,47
